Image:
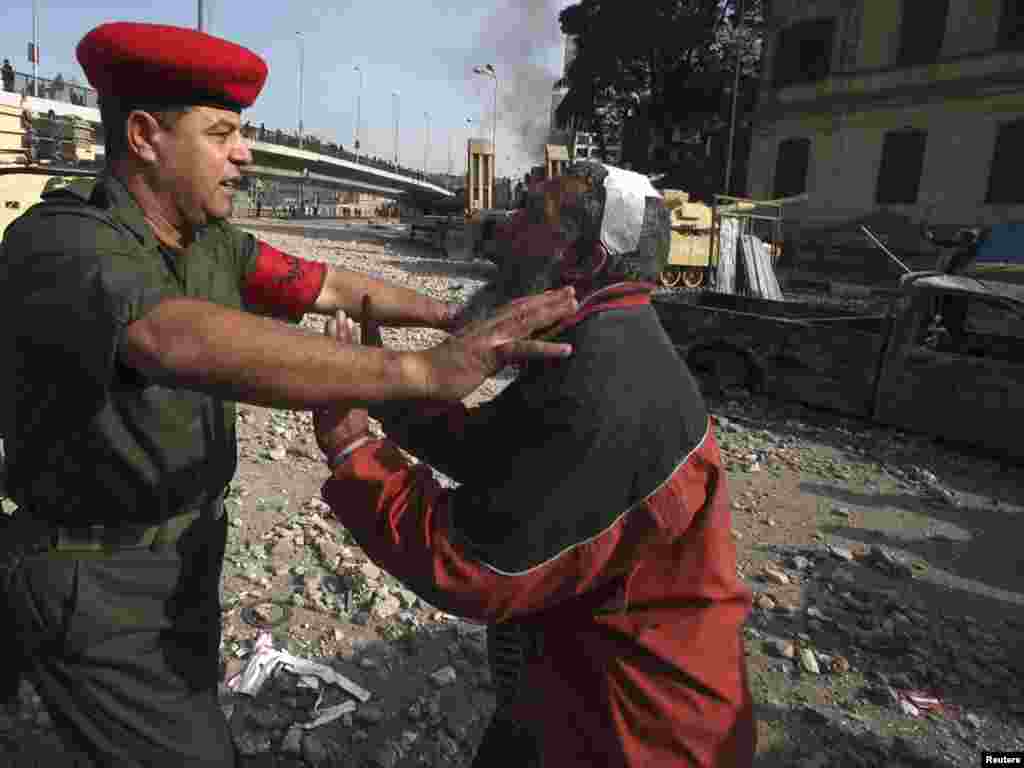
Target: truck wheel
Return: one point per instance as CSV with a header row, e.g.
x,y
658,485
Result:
x,y
670,277
693,277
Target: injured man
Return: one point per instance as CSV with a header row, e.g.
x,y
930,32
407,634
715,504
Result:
x,y
590,529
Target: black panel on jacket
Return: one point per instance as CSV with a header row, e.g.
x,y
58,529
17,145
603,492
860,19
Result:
x,y
584,439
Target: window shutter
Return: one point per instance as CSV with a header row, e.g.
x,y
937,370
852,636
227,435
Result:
x,y
899,174
1004,179
791,167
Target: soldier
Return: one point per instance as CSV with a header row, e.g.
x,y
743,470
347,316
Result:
x,y
591,527
7,72
130,314
28,137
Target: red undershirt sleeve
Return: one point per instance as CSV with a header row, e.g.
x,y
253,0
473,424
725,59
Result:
x,y
282,285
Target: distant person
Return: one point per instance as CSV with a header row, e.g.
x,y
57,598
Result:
x,y
28,139
8,76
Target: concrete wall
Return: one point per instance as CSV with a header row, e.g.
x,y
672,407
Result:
x,y
846,153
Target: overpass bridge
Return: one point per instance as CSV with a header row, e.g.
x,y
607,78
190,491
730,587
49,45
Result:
x,y
276,156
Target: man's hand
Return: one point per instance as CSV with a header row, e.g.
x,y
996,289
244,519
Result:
x,y
338,426
460,364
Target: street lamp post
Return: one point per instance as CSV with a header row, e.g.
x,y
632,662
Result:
x,y
735,96
359,98
488,71
397,105
302,62
35,48
426,143
469,135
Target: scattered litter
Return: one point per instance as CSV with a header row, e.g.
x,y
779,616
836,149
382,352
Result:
x,y
916,703
265,660
329,715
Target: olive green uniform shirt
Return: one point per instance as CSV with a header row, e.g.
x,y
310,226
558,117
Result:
x,y
89,440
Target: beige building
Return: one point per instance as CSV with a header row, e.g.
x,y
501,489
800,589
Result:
x,y
480,179
912,107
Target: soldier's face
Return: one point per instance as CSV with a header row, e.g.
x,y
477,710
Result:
x,y
203,163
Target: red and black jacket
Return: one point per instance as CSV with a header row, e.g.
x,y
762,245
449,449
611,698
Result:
x,y
591,505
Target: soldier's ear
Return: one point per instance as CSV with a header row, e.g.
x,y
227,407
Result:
x,y
141,132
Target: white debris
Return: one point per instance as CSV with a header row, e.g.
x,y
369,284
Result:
x,y
265,660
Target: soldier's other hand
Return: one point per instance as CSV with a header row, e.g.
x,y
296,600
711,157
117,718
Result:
x,y
459,365
340,425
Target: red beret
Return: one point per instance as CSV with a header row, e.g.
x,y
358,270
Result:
x,y
159,65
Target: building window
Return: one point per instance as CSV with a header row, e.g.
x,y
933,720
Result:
x,y
899,175
803,53
791,167
1004,176
922,30
1011,25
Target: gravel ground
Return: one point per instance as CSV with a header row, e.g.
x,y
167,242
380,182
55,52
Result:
x,y
885,570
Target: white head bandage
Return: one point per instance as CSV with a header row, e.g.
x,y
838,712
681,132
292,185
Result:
x,y
625,196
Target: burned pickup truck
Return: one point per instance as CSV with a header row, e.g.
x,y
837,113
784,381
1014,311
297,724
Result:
x,y
946,358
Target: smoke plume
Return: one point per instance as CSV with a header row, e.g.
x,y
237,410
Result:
x,y
518,38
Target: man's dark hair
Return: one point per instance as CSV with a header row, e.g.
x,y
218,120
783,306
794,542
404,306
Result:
x,y
114,118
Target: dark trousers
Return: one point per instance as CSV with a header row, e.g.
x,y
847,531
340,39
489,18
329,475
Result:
x,y
123,647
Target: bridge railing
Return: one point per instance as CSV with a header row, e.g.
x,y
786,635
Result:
x,y
58,89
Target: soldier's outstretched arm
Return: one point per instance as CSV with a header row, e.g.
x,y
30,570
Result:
x,y
236,355
344,289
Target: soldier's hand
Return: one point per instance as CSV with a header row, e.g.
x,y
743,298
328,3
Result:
x,y
460,364
338,426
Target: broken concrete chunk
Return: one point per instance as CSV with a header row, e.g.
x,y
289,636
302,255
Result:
x,y
808,661
444,676
775,576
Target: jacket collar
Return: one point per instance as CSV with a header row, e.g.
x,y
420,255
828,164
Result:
x,y
115,197
617,296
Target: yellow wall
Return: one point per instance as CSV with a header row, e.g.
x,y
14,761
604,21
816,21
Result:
x,y
880,33
846,153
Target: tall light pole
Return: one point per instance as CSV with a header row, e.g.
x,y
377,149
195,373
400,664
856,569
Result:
x,y
396,103
302,62
199,16
469,135
488,71
426,142
35,48
359,98
735,96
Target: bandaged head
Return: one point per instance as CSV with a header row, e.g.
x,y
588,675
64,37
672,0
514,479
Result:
x,y
591,227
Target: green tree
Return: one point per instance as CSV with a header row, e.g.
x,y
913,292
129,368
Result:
x,y
659,58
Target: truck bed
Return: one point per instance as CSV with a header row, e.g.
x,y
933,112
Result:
x,y
795,351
